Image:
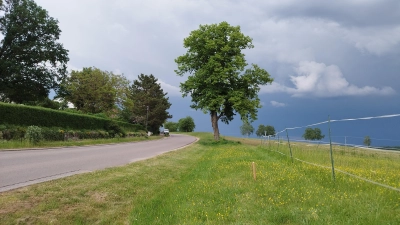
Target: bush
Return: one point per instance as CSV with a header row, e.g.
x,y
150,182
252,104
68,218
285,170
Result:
x,y
52,134
114,129
11,132
34,134
222,141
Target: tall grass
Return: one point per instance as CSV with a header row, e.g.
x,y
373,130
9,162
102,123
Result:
x,y
375,165
206,183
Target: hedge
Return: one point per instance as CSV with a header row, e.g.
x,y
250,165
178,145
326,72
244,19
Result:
x,y
22,115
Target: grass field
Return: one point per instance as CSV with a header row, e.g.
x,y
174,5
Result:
x,y
375,165
205,183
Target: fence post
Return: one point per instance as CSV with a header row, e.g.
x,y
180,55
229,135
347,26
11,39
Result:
x,y
290,148
330,143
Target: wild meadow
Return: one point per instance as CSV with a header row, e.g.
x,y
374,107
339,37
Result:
x,y
209,183
375,165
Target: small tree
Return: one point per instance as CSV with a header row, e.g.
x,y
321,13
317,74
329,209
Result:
x,y
265,130
367,141
171,126
246,129
260,131
186,124
313,134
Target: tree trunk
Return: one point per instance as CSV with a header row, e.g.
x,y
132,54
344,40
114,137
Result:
x,y
214,122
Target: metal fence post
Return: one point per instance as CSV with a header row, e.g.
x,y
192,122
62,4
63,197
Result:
x,y
290,148
330,143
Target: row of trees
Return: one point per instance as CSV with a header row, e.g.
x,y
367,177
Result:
x,y
183,125
95,91
263,130
33,62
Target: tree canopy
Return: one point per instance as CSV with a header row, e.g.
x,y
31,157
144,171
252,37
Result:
x,y
246,129
265,130
220,81
367,141
150,103
313,134
32,62
186,124
171,126
94,91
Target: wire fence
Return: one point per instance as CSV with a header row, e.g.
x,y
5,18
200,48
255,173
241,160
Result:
x,y
351,155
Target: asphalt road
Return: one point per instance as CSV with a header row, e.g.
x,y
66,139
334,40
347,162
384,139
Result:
x,y
22,168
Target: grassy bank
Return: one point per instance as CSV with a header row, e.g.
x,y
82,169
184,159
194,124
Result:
x,y
24,144
205,183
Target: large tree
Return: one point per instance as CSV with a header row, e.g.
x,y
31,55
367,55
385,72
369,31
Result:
x,y
32,62
95,91
220,81
150,103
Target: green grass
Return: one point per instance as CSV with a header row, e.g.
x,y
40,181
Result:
x,y
378,166
24,144
205,183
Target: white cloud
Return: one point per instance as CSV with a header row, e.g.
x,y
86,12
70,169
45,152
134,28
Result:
x,y
277,104
378,41
170,89
318,80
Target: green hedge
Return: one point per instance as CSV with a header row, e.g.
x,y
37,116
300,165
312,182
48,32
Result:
x,y
22,115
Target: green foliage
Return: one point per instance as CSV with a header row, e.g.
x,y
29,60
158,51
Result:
x,y
34,134
265,130
171,126
94,91
222,141
150,103
114,130
28,115
218,82
313,134
246,129
186,124
32,62
12,132
367,141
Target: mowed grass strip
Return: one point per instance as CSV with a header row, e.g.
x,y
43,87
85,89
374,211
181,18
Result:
x,y
24,144
206,183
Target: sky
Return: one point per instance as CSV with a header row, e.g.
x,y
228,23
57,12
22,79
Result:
x,y
329,59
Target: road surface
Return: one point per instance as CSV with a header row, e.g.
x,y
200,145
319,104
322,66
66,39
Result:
x,y
22,168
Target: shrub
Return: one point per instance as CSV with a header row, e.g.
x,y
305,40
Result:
x,y
10,132
34,134
113,129
52,134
